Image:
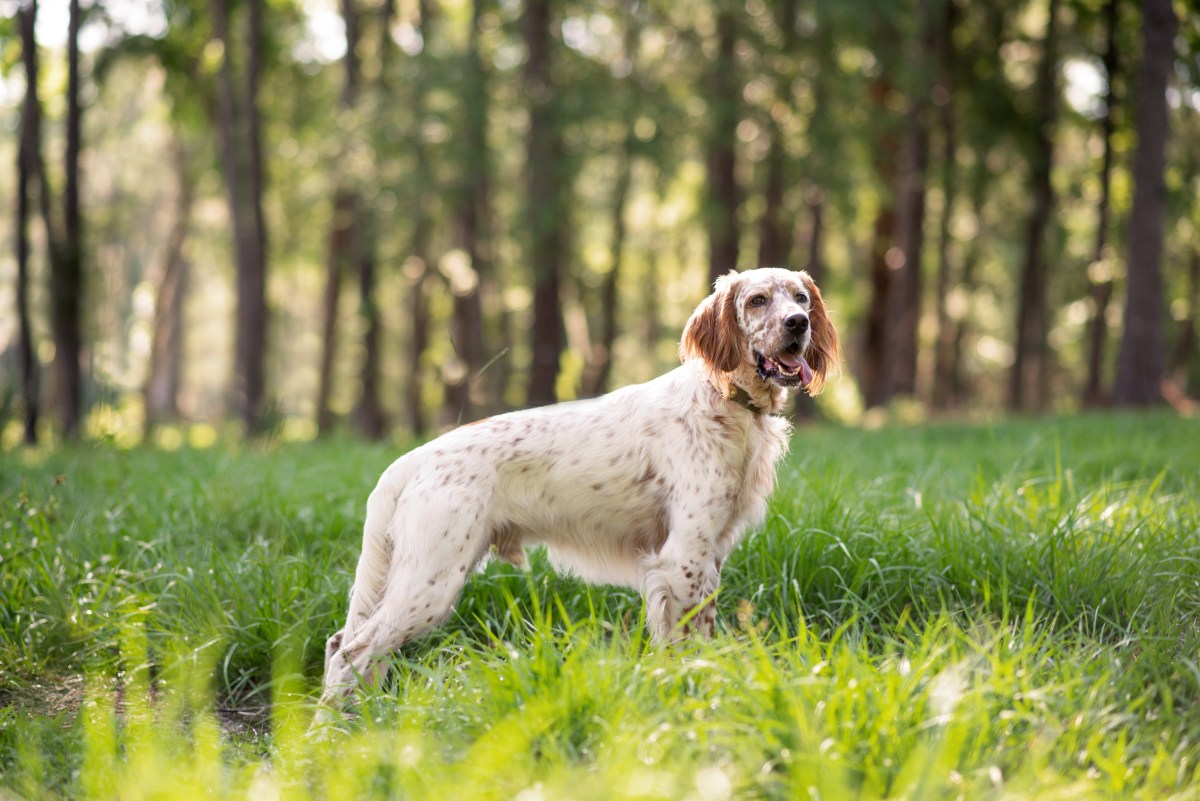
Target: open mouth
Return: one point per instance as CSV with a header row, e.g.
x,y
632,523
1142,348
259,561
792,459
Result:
x,y
787,368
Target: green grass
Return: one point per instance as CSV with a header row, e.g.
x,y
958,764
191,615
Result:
x,y
951,611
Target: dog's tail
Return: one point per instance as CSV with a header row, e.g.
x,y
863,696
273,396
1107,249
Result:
x,y
370,577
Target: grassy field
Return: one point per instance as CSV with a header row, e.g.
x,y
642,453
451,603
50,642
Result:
x,y
951,611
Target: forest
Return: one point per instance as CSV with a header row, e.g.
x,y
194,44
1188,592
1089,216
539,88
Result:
x,y
298,217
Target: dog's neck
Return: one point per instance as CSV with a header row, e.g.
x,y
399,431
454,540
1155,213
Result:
x,y
750,392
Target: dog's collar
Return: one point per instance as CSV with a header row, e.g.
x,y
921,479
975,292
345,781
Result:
x,y
742,398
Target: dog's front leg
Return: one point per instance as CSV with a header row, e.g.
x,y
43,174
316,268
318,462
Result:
x,y
679,583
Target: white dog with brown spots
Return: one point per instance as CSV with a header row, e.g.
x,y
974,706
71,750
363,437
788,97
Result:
x,y
649,486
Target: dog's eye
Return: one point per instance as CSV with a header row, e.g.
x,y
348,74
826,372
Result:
x,y
801,298
758,300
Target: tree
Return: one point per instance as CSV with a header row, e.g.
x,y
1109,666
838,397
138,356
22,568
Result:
x,y
473,229
600,368
241,159
161,390
28,166
545,206
66,265
1140,360
724,196
944,100
1027,386
1099,276
904,307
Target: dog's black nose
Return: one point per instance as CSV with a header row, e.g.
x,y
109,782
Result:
x,y
796,322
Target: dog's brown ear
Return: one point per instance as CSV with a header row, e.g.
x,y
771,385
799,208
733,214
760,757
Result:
x,y
712,332
825,351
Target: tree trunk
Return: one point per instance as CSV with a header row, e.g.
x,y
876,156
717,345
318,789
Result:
x,y
334,271
1027,388
1099,275
1140,361
242,167
419,265
161,391
343,234
27,165
1184,352
371,418
944,98
252,294
957,391
67,269
599,374
873,378
545,203
904,312
464,393
815,203
723,195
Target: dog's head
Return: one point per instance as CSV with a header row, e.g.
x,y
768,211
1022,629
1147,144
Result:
x,y
768,324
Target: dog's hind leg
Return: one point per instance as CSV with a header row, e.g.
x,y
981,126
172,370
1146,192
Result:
x,y
438,541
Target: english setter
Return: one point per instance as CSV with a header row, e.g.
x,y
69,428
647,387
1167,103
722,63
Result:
x,y
649,486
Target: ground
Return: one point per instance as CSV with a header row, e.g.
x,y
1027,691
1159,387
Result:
x,y
972,610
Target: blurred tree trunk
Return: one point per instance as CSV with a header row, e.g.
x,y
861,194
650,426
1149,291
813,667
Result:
x,y
252,295
814,201
1028,378
904,301
944,100
724,98
371,418
67,269
544,203
1184,353
419,264
241,159
161,391
463,392
599,372
344,230
774,240
873,377
1100,278
1140,360
949,388
28,161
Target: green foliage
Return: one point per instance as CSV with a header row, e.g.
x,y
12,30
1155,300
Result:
x,y
956,610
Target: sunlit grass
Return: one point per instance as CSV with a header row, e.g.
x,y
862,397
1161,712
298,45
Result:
x,y
1004,611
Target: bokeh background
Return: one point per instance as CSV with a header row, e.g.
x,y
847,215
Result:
x,y
297,217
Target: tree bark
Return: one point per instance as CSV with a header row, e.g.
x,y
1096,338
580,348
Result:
x,y
544,204
161,391
873,376
463,390
774,240
343,233
421,262
1099,277
1184,352
67,269
599,374
904,312
944,98
27,165
1027,387
723,193
1140,360
241,161
252,295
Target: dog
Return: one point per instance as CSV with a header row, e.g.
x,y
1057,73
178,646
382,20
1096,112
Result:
x,y
649,486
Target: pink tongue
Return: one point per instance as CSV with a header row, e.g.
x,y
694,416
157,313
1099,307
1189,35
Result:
x,y
794,361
